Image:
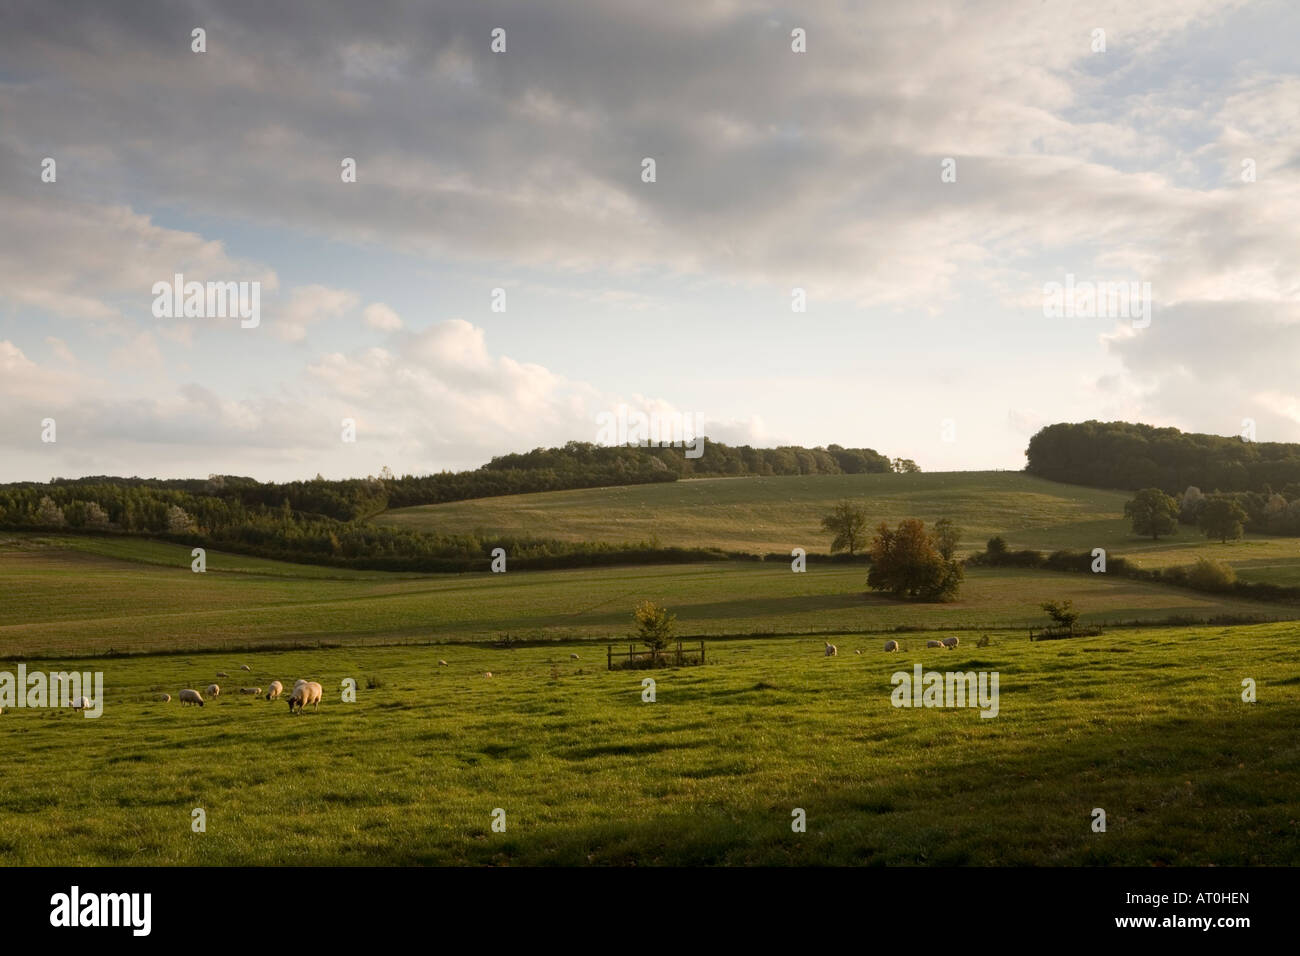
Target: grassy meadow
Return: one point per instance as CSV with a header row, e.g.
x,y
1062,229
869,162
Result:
x,y
1145,722
71,595
1148,725
773,515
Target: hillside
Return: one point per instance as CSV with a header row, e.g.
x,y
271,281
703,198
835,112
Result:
x,y
775,514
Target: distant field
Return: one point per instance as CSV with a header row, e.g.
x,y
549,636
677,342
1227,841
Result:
x,y
763,515
1147,725
776,514
69,595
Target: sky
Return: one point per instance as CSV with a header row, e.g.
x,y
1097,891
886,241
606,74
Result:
x,y
922,171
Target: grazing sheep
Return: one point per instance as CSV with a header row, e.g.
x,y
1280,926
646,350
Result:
x,y
831,650
254,691
81,703
164,698
222,674
191,697
934,643
275,690
214,690
304,693
951,642
857,652
244,667
487,673
574,657
891,645
442,663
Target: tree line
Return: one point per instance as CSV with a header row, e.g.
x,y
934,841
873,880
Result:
x,y
1132,456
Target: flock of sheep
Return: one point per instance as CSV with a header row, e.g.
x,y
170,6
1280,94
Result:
x,y
947,642
304,692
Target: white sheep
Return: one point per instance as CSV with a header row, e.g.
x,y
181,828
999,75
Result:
x,y
244,667
442,663
222,674
487,673
253,691
191,697
951,642
164,698
934,643
304,693
574,657
275,690
81,703
831,650
891,645
214,690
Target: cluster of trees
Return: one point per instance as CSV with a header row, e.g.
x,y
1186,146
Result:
x,y
1123,455
907,561
1221,516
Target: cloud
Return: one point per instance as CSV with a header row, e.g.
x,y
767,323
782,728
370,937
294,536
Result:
x,y
380,316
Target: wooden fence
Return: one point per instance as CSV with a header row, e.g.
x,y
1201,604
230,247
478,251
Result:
x,y
633,658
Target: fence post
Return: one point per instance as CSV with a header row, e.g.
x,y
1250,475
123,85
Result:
x,y
609,657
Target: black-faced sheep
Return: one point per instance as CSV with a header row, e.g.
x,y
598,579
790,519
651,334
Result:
x,y
304,693
831,650
891,645
274,690
950,642
191,697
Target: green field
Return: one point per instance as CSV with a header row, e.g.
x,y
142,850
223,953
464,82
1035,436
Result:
x,y
773,515
1147,725
70,595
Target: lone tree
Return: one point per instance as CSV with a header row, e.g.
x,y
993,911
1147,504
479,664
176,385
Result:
x,y
1222,518
905,563
1153,512
848,523
654,625
946,537
1063,613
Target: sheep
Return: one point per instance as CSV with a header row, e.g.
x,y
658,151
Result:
x,y
950,642
891,645
214,690
222,674
831,650
487,673
244,667
442,663
81,703
191,697
574,657
857,652
253,691
164,698
934,643
274,690
304,693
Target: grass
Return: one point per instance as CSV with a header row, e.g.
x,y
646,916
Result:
x,y
1148,725
74,596
773,515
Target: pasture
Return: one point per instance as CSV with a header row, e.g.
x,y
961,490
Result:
x,y
773,515
87,596
1148,725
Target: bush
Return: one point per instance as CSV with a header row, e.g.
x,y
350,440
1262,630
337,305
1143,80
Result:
x,y
1210,575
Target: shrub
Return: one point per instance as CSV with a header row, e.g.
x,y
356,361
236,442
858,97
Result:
x,y
1210,575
